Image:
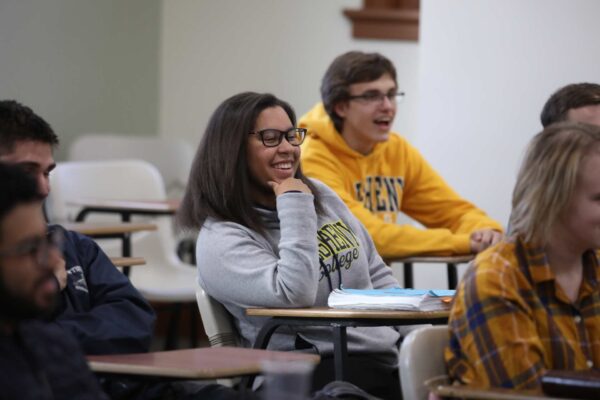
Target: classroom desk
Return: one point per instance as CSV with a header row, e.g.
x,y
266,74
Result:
x,y
442,388
127,262
101,230
450,261
126,208
121,231
339,320
198,363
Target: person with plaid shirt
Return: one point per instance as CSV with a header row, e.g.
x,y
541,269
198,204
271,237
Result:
x,y
532,302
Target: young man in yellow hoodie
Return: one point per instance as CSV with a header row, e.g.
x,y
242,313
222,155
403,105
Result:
x,y
378,174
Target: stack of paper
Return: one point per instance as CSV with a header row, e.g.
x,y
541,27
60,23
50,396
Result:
x,y
391,299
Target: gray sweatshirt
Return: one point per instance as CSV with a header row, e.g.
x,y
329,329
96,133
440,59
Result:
x,y
241,268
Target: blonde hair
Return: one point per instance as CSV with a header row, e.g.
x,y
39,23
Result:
x,y
548,176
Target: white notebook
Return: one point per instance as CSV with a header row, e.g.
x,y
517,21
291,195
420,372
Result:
x,y
391,299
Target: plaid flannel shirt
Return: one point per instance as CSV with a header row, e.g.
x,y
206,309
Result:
x,y
511,321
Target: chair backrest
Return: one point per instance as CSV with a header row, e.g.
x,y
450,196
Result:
x,y
117,179
216,320
217,325
172,157
113,179
422,358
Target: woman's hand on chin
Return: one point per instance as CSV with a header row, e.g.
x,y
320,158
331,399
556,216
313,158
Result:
x,y
289,185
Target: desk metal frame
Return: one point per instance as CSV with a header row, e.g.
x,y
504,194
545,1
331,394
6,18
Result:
x,y
125,213
409,277
125,217
450,261
150,208
339,326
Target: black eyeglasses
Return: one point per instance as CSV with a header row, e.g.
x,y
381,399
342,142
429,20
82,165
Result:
x,y
38,247
377,97
274,137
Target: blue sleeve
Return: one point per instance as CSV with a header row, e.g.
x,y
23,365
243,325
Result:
x,y
100,306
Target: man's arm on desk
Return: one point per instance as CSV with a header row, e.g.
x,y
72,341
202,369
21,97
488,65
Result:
x,y
423,195
99,305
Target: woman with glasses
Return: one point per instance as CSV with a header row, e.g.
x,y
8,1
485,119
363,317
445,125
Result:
x,y
270,237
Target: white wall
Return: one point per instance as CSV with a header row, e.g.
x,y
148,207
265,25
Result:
x,y
83,65
486,69
214,49
475,82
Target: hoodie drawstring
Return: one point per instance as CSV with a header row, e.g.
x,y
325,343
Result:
x,y
335,263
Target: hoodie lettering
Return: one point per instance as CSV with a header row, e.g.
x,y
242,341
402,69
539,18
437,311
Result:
x,y
380,193
337,241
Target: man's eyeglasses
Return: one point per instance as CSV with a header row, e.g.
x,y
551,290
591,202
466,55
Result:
x,y
377,97
274,137
38,247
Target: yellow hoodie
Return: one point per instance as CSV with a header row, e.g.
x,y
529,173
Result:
x,y
393,178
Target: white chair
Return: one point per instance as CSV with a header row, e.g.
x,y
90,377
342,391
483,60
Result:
x,y
422,358
216,320
164,278
218,326
172,157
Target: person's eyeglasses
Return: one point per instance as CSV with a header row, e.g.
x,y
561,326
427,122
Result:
x,y
274,137
377,97
38,247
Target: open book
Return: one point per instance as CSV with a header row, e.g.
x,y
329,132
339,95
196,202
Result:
x,y
391,299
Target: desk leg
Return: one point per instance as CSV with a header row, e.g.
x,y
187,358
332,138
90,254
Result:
x,y
265,333
340,351
126,251
408,275
125,216
261,342
81,215
452,276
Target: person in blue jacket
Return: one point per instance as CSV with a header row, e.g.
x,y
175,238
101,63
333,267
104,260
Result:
x,y
98,304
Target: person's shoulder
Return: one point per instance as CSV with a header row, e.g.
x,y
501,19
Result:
x,y
62,231
219,237
36,325
316,149
500,255
67,235
214,224
71,242
322,189
75,244
329,199
214,230
48,333
495,265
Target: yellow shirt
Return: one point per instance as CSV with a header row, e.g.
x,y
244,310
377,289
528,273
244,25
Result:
x,y
393,178
510,321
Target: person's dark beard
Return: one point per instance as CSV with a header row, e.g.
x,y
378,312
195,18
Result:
x,y
16,308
